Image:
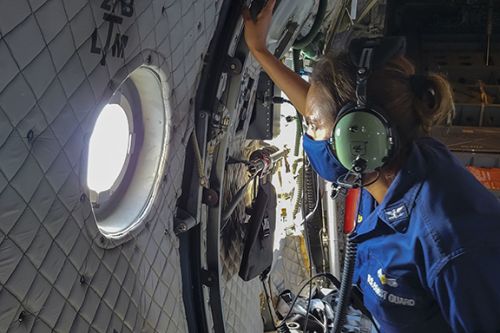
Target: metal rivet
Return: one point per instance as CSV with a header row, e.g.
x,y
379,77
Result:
x,y
181,227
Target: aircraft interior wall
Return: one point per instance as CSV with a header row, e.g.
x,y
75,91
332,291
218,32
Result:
x,y
60,61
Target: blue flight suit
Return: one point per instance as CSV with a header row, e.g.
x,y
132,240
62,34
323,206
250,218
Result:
x,y
429,255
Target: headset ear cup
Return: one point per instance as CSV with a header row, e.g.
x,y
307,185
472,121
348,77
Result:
x,y
349,107
363,137
346,108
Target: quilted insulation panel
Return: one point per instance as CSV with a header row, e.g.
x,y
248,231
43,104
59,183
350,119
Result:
x,y
56,272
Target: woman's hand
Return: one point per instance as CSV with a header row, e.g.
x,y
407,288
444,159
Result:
x,y
256,31
287,80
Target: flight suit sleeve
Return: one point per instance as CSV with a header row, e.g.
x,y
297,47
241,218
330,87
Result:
x,y
467,290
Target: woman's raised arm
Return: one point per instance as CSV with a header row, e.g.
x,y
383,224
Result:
x,y
291,83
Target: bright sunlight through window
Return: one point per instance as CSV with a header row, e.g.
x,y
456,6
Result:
x,y
108,148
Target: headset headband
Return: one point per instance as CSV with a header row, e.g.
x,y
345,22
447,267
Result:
x,y
372,53
384,48
362,77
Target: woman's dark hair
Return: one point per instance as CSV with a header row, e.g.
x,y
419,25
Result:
x,y
414,103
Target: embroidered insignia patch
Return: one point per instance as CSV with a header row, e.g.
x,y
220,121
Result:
x,y
386,280
396,213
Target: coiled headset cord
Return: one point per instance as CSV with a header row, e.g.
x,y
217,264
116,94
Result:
x,y
345,286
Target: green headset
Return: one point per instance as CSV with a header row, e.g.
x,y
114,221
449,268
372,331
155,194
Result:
x,y
363,137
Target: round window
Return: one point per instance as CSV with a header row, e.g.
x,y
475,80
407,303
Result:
x,y
127,152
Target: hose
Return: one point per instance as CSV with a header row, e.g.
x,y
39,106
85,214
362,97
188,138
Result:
x,y
298,195
345,287
309,189
318,20
298,135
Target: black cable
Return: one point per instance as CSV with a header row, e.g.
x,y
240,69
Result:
x,y
346,286
268,306
329,276
373,181
280,100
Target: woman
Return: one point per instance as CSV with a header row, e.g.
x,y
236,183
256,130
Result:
x,y
429,237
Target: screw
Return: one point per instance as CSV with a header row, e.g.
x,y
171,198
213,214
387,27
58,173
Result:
x,y
232,66
22,316
30,135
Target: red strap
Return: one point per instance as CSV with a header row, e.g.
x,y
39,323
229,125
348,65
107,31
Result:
x,y
351,209
489,177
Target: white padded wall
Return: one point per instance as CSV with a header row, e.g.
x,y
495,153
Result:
x,y
56,272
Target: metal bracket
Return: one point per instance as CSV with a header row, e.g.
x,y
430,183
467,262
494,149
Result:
x,y
291,27
207,278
